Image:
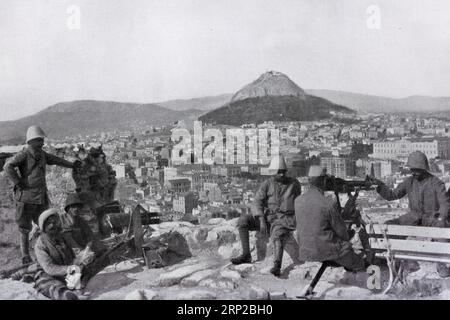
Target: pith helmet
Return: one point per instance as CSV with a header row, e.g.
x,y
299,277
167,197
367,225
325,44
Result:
x,y
277,163
315,171
35,132
72,199
418,160
44,216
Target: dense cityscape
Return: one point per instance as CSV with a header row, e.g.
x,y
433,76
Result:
x,y
349,147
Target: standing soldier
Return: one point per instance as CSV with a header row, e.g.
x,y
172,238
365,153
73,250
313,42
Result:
x,y
107,177
429,203
30,187
274,213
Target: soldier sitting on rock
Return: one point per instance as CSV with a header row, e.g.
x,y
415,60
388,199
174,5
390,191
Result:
x,y
60,270
322,232
273,215
76,230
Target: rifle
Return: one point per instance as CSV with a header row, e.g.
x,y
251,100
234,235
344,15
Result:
x,y
7,273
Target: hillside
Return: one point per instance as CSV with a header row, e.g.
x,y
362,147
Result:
x,y
203,103
88,116
273,108
272,97
371,103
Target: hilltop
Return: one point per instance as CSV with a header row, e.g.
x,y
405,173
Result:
x,y
272,97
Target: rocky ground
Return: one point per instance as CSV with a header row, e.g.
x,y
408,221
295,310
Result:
x,y
209,275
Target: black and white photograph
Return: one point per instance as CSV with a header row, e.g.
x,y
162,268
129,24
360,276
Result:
x,y
247,151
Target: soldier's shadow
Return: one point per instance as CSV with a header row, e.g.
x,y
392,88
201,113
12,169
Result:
x,y
110,281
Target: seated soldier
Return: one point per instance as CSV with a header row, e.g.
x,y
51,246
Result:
x,y
76,230
57,260
273,216
429,203
322,232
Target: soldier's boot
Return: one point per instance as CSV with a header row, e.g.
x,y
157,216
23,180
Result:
x,y
245,257
292,249
277,258
25,248
261,246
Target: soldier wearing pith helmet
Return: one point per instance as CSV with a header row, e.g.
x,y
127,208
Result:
x,y
27,171
429,203
273,215
322,233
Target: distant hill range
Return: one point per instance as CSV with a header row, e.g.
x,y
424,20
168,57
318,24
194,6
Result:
x,y
356,101
272,97
89,116
203,103
377,104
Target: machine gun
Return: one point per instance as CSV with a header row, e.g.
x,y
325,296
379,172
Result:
x,y
345,186
338,185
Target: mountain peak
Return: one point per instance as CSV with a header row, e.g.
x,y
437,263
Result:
x,y
271,83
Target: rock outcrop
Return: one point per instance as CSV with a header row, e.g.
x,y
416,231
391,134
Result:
x,y
208,274
271,83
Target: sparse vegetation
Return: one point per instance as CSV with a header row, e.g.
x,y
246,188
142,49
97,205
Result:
x,y
273,108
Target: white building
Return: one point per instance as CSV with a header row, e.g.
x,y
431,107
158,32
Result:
x,y
438,147
170,173
120,170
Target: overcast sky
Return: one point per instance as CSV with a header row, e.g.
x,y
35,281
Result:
x,y
155,50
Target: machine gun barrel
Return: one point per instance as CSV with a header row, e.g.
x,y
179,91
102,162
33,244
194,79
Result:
x,y
344,186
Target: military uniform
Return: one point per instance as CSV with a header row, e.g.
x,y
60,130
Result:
x,y
322,233
32,199
76,231
429,206
107,182
54,256
275,202
429,203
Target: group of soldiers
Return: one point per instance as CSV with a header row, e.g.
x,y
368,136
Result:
x,y
280,208
69,252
